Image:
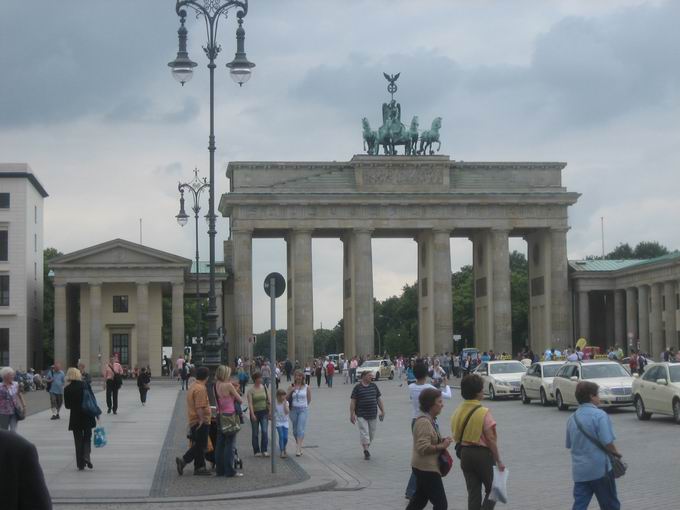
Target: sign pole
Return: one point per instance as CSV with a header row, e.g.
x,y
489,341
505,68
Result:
x,y
272,366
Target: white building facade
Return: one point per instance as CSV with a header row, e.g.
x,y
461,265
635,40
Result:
x,y
21,267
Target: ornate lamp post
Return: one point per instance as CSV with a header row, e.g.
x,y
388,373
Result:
x,y
240,70
195,188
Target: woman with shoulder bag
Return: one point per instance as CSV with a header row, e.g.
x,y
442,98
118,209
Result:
x,y
228,424
428,446
79,423
474,431
12,405
299,397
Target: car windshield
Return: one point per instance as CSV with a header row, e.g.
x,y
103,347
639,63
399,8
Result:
x,y
507,368
603,371
371,364
675,373
550,370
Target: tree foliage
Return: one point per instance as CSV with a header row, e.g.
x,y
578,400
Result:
x,y
643,250
48,306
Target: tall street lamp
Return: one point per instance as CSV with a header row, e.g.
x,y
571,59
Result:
x,y
195,188
240,70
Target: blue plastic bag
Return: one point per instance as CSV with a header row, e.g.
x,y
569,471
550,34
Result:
x,y
99,437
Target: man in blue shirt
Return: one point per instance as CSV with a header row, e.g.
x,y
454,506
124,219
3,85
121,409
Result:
x,y
590,466
55,380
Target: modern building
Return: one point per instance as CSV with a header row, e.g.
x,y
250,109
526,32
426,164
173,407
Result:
x,y
21,266
628,303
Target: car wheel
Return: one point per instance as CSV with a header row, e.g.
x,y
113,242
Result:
x,y
640,409
676,410
492,392
377,376
391,375
560,403
523,396
544,398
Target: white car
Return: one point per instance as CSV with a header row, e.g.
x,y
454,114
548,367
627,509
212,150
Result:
x,y
658,391
614,381
381,368
501,378
537,382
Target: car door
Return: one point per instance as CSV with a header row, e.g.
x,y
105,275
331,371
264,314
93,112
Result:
x,y
559,380
569,394
664,392
532,381
647,388
483,371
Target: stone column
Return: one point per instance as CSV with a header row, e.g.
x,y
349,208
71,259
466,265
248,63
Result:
x,y
657,339
143,338
631,314
441,285
559,292
540,284
243,290
96,332
300,297
643,318
60,322
620,333
670,318
583,315
483,276
502,322
350,347
177,320
426,297
363,292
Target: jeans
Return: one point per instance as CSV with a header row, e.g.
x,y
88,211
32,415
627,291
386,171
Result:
x,y
8,422
283,438
111,396
199,444
142,394
56,400
224,454
429,487
82,438
260,424
185,383
307,378
329,381
318,381
298,416
604,490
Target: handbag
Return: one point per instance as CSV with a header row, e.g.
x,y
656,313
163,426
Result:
x,y
619,467
459,445
19,411
89,402
444,459
117,378
228,423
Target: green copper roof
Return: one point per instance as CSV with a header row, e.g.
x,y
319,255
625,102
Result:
x,y
616,265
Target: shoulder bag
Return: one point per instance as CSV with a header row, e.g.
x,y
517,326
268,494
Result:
x,y
459,445
117,378
619,467
228,423
89,402
444,459
19,410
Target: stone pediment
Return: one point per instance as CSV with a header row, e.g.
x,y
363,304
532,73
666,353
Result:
x,y
119,253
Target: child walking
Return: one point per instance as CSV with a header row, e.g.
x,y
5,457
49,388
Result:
x,y
281,416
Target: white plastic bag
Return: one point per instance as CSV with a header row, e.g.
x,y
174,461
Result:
x,y
499,489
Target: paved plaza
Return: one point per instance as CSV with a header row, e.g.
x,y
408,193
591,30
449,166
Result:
x,y
531,441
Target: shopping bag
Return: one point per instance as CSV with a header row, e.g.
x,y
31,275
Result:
x,y
99,437
499,489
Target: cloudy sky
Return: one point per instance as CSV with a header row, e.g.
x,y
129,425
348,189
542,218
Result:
x,y
86,98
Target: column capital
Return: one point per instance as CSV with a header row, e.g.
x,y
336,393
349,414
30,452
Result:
x,y
241,230
560,230
442,231
142,283
178,283
362,230
95,283
59,285
500,231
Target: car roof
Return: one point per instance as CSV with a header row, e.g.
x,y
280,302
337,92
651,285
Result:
x,y
557,362
504,361
594,362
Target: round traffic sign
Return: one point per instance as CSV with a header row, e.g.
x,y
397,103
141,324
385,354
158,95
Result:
x,y
279,284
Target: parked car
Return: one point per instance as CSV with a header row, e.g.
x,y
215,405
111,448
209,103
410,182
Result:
x,y
614,381
501,378
381,368
658,391
537,382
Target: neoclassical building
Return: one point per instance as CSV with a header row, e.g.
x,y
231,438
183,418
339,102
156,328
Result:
x,y
628,303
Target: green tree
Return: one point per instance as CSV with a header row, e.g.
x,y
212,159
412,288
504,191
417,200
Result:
x,y
519,295
622,252
650,250
262,345
48,306
463,288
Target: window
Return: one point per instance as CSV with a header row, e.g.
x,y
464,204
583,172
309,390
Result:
x,y
35,214
4,290
651,374
4,245
35,271
663,303
4,200
120,304
4,347
35,243
120,345
423,287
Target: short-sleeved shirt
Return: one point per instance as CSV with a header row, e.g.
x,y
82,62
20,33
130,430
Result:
x,y
366,398
58,380
8,396
588,462
259,397
197,398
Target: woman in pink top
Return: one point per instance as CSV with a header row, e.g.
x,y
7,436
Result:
x,y
226,396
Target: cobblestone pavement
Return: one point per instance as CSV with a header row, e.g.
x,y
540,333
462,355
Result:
x,y
531,442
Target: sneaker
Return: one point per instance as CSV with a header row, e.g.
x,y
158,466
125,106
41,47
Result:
x,y
108,411
57,417
367,455
238,475
265,454
54,417
258,454
180,465
202,472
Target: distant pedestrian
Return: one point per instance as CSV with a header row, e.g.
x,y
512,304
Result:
x,y
143,384
475,429
260,407
345,371
227,398
281,412
363,410
86,377
199,414
242,379
288,369
55,382
11,400
353,370
318,369
427,446
308,373
113,374
22,479
184,375
79,423
299,396
590,467
330,371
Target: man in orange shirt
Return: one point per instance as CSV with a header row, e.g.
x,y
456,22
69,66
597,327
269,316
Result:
x,y
198,412
113,374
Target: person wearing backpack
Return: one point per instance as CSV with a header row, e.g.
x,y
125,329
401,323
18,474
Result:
x,y
80,423
113,374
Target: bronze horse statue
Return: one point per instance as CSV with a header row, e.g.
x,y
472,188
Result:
x,y
427,138
370,138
